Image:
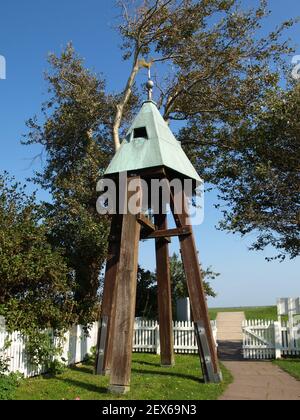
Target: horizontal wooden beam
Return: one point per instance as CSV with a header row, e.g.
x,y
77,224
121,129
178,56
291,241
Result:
x,y
145,222
169,233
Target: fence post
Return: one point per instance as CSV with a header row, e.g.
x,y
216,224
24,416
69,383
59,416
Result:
x,y
157,339
215,332
278,340
297,336
292,311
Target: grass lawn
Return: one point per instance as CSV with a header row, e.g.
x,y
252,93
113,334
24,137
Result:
x,y
260,312
149,382
291,366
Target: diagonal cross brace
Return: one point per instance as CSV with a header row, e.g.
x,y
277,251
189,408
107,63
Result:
x,y
258,337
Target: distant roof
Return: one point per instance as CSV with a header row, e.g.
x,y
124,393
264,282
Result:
x,y
150,143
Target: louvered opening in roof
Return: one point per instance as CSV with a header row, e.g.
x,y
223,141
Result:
x,y
137,152
140,133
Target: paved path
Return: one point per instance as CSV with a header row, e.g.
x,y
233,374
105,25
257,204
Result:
x,y
230,326
260,381
252,380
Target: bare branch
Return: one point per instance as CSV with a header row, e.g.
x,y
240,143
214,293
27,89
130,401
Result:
x,y
124,101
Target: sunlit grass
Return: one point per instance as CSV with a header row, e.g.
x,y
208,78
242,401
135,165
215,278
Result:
x,y
149,382
291,366
255,312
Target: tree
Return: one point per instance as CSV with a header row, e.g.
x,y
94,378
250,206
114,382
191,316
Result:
x,y
36,288
179,284
262,181
218,78
217,73
219,67
75,133
146,303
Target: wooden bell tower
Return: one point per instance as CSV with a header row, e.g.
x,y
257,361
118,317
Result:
x,y
150,152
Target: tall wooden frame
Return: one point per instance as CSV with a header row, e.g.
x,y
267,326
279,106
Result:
x,y
118,308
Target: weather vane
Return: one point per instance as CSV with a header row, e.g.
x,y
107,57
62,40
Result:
x,y
150,83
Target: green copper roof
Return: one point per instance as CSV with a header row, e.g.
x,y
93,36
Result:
x,y
150,143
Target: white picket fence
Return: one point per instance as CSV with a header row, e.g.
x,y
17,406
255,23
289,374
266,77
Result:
x,y
147,339
77,345
269,340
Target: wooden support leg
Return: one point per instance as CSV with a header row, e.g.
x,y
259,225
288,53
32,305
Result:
x,y
196,293
104,346
164,295
125,305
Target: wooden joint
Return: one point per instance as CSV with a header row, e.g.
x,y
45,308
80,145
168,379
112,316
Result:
x,y
145,222
169,233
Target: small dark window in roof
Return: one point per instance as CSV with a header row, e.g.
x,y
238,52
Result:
x,y
140,132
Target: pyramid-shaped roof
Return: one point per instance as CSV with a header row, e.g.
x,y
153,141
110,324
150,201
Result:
x,y
150,143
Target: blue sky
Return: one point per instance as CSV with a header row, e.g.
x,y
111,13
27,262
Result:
x,y
31,29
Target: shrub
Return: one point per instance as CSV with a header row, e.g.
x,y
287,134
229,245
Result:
x,y
57,368
91,357
4,359
8,385
3,364
44,348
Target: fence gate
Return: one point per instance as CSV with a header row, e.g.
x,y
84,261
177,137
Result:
x,y
259,339
268,339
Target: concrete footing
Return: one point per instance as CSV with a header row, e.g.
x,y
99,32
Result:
x,y
118,389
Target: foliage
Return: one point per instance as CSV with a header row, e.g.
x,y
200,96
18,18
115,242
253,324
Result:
x,y
218,76
8,386
92,356
146,304
4,358
8,382
262,180
43,349
149,382
4,362
57,367
179,284
35,288
221,80
220,65
75,136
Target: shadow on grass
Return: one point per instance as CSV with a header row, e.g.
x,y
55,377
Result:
x,y
141,362
170,374
87,387
82,369
75,368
